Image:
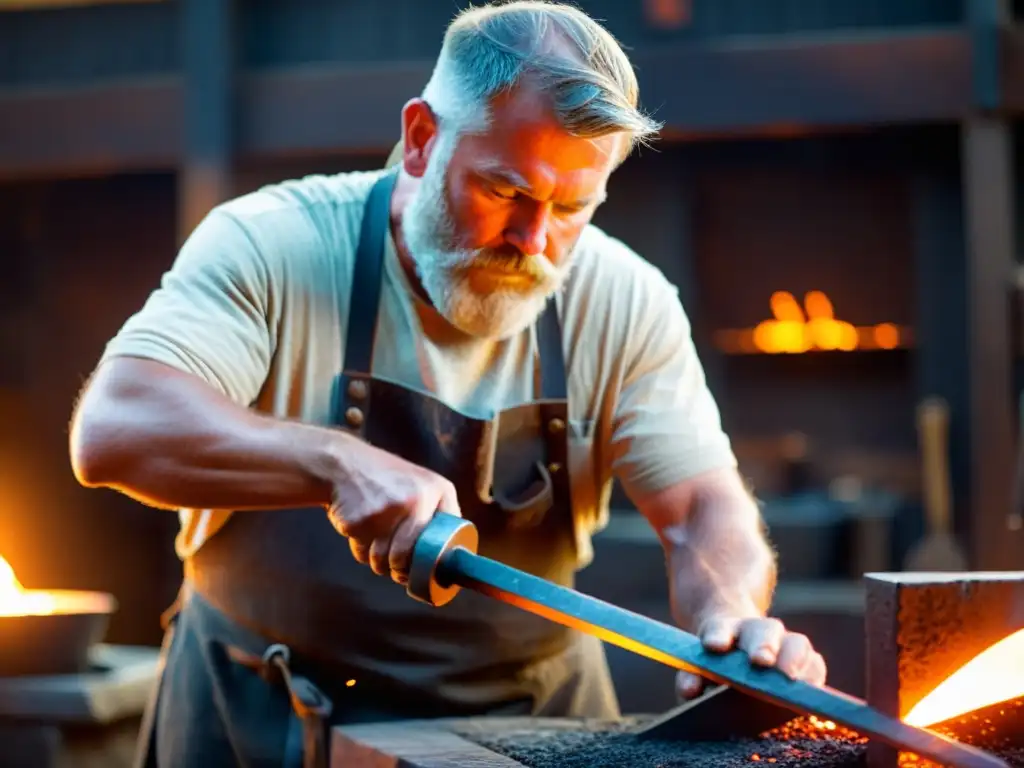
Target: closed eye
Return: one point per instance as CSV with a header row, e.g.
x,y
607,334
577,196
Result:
x,y
503,193
573,208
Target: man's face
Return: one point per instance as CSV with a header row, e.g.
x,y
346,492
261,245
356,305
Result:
x,y
494,221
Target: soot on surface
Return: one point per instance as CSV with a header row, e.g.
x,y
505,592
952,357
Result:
x,y
801,742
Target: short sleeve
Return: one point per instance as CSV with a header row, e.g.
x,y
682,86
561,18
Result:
x,y
209,315
666,426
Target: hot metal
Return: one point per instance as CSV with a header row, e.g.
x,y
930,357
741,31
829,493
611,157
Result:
x,y
922,627
459,566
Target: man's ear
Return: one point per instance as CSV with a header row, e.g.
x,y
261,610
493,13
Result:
x,y
419,134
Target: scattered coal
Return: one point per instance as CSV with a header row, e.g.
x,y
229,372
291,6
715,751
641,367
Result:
x,y
802,742
608,745
999,726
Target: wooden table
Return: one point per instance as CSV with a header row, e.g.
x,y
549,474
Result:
x,y
429,743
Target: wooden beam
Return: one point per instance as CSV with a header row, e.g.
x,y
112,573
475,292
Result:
x,y
989,206
803,85
85,131
941,323
1012,66
34,5
987,160
986,20
208,42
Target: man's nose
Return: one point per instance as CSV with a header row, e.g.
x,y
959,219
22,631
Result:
x,y
528,230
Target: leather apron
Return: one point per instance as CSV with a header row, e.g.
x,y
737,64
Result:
x,y
274,602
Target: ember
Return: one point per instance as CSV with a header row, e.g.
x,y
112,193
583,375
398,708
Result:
x,y
801,742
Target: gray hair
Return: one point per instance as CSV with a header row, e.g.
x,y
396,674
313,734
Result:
x,y
489,50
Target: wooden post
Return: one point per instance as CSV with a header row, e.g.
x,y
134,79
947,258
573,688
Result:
x,y
987,170
940,328
208,55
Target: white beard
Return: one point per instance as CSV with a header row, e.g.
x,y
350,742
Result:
x,y
429,233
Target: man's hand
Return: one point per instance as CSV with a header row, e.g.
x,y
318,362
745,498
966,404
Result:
x,y
381,504
768,644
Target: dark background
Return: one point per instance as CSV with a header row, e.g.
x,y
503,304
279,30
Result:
x,y
865,149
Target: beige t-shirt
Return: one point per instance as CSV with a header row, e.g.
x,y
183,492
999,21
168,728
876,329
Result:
x,y
256,304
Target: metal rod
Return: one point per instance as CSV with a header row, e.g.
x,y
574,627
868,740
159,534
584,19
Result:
x,y
461,567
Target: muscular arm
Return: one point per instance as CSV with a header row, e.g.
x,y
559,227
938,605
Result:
x,y
677,466
168,439
165,417
718,559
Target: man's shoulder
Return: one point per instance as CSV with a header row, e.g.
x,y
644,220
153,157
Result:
x,y
303,201
302,228
608,275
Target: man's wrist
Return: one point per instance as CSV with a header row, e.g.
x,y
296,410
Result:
x,y
322,455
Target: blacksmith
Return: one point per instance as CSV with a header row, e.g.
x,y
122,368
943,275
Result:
x,y
330,361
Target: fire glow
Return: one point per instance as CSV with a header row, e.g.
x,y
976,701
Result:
x,y
15,600
813,327
993,676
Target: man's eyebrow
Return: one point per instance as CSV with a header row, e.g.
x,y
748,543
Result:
x,y
500,174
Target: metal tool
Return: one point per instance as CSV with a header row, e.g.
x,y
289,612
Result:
x,y
444,560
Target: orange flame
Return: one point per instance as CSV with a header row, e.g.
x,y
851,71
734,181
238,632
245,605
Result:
x,y
993,676
15,600
795,329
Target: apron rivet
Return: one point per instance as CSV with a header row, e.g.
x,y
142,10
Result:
x,y
553,467
357,389
556,425
354,417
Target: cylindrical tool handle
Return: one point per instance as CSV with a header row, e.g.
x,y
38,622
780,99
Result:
x,y
933,433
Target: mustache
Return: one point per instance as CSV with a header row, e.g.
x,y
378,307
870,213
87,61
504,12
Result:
x,y
513,262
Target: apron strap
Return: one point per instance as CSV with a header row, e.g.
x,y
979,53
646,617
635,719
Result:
x,y
307,744
352,393
554,405
364,297
552,357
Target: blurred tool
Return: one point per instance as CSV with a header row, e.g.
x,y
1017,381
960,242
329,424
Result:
x,y
939,550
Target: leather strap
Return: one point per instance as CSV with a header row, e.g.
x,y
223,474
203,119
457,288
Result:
x,y
310,706
552,357
364,297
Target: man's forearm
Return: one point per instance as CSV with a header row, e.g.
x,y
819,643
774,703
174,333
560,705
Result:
x,y
717,570
717,558
169,440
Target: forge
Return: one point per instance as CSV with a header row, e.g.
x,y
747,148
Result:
x,y
947,649
945,652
